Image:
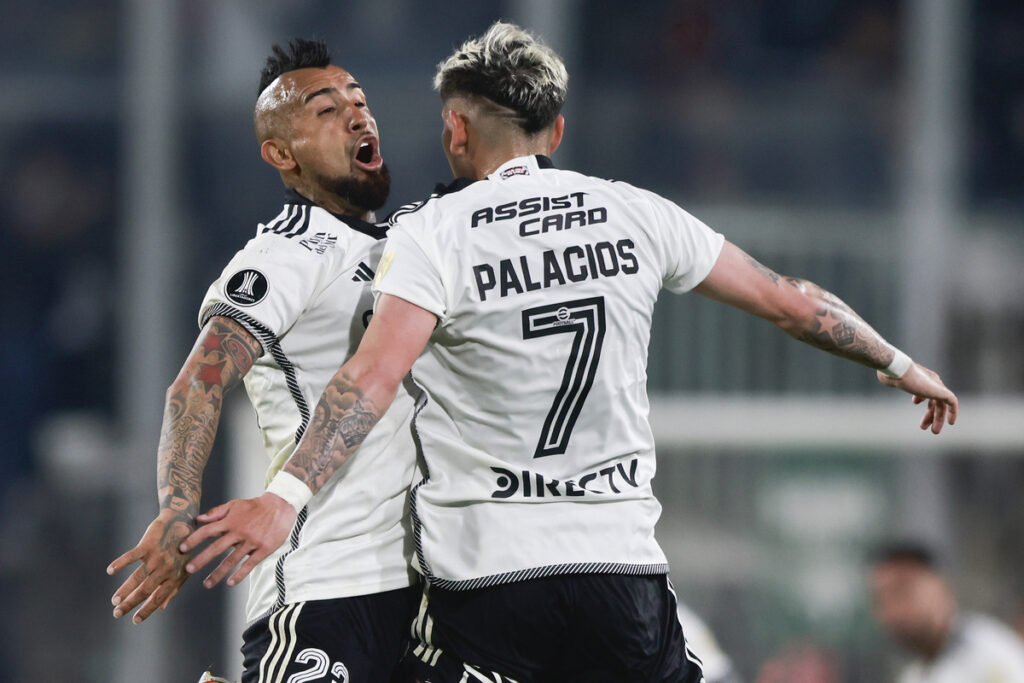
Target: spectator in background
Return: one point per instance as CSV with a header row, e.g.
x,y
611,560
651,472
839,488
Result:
x,y
916,606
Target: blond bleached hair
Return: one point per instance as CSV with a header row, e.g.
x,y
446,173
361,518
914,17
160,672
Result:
x,y
510,67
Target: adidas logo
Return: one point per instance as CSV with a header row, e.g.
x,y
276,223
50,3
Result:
x,y
363,273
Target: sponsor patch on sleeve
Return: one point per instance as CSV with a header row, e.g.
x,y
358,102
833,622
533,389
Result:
x,y
382,267
246,287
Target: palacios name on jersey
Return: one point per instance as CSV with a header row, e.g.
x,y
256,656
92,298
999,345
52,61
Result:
x,y
575,263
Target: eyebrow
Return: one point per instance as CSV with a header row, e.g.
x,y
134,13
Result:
x,y
329,89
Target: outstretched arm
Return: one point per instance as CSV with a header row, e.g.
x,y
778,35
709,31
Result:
x,y
352,403
813,315
223,354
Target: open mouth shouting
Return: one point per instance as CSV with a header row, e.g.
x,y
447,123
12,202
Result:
x,y
367,154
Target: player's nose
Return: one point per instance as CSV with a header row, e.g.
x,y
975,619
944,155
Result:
x,y
360,118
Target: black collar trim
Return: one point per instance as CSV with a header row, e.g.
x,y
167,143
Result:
x,y
377,232
544,162
441,189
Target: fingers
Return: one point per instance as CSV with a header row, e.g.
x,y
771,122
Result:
x,y
226,566
153,602
255,557
938,416
929,416
954,409
170,596
215,514
200,536
133,555
122,599
154,579
212,551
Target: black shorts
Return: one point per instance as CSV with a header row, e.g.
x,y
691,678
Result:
x,y
590,627
347,640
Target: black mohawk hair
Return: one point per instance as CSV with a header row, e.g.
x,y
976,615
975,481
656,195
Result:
x,y
300,54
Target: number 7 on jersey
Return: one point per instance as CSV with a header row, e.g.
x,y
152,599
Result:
x,y
584,319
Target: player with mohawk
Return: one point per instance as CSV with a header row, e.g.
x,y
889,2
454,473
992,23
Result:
x,y
291,306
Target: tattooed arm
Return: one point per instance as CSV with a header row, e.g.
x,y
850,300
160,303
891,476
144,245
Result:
x,y
813,315
352,403
223,354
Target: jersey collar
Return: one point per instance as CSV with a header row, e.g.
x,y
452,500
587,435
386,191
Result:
x,y
377,232
521,166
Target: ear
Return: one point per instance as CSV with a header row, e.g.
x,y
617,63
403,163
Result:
x,y
277,154
556,134
458,123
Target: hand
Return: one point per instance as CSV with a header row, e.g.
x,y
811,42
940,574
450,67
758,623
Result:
x,y
926,385
251,528
157,580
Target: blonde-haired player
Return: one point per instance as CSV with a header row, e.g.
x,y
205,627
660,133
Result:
x,y
522,300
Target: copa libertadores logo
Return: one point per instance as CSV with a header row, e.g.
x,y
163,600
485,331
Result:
x,y
247,287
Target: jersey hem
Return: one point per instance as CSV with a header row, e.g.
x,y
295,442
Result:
x,y
624,568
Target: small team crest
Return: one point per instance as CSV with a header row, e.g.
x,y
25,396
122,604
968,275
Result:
x,y
247,287
514,170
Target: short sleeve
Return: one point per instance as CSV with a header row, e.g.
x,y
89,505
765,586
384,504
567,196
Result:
x,y
265,287
407,272
689,247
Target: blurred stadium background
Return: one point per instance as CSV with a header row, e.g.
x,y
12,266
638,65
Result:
x,y
876,147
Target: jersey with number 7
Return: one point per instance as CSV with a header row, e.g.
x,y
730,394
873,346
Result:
x,y
534,430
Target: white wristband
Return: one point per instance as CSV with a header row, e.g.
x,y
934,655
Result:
x,y
291,488
898,367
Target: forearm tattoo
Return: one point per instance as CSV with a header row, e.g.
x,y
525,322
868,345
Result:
x,y
763,269
838,329
835,327
342,419
192,411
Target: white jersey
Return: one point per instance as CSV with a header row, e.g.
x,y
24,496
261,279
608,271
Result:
x,y
302,288
981,650
534,430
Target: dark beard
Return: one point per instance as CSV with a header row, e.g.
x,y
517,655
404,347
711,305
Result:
x,y
367,193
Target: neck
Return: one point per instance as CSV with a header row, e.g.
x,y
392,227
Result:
x,y
332,202
491,160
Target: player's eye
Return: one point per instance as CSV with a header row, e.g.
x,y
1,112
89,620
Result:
x,y
360,105
326,110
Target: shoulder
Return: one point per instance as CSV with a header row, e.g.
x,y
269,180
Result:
x,y
442,191
985,633
912,673
306,231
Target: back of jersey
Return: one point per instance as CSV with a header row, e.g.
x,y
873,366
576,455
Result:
x,y
535,434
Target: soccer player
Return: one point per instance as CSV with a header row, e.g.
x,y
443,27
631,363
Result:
x,y
288,309
522,299
915,604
